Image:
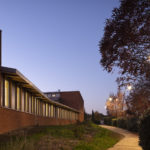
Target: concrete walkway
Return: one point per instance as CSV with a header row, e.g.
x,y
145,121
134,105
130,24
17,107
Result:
x,y
129,142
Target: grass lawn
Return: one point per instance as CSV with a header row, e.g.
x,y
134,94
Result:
x,y
84,136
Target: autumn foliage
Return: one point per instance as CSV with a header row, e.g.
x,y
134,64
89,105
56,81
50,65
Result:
x,y
126,40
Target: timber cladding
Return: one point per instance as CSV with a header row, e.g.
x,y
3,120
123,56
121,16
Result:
x,y
13,120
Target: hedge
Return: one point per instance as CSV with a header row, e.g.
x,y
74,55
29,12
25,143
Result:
x,y
144,131
108,120
131,124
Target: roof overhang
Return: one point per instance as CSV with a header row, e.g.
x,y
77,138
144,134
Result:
x,y
18,77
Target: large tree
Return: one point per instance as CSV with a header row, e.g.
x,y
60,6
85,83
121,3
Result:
x,y
126,40
138,101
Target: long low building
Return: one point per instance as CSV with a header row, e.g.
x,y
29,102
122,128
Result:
x,y
72,99
22,104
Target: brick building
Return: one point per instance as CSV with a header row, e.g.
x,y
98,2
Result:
x,y
72,99
22,104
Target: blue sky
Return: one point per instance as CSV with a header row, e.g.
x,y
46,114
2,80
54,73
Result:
x,y
54,43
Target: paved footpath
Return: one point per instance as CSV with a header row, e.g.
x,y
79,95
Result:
x,y
129,142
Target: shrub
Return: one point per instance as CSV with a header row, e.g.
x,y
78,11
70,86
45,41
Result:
x,y
114,122
122,123
144,131
132,124
108,120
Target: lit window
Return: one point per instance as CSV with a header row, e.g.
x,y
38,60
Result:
x,y
46,110
35,104
26,101
43,109
29,103
57,112
18,98
49,112
6,93
37,107
22,100
53,95
32,111
52,111
13,96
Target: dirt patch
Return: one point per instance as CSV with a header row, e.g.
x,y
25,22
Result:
x,y
51,143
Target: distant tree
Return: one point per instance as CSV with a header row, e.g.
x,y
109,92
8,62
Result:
x,y
115,105
126,40
87,116
98,117
92,115
110,106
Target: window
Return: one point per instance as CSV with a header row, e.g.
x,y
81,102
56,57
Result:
x,y
63,113
57,95
22,100
6,104
18,98
52,111
26,102
40,107
49,95
13,96
37,107
46,110
32,109
29,102
58,113
49,113
53,95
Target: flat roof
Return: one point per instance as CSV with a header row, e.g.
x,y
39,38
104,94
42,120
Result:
x,y
17,76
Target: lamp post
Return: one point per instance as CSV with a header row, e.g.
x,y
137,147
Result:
x,y
110,98
129,87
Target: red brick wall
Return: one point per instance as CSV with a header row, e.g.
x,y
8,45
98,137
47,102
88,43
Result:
x,y
73,100
12,120
81,116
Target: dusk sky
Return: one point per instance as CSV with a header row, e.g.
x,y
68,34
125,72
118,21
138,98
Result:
x,y
54,43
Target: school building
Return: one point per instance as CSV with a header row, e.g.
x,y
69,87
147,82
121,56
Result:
x,y
22,104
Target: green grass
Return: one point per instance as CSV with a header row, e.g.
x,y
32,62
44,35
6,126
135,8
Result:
x,y
83,136
102,140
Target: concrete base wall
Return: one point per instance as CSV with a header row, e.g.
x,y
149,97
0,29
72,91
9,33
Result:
x,y
12,120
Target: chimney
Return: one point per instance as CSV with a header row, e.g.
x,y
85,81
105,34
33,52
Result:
x,y
0,48
0,64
